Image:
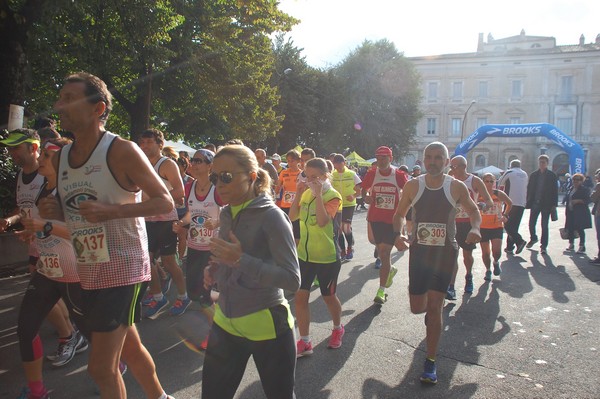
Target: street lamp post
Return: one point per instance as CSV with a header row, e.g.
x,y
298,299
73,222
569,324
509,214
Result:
x,y
462,128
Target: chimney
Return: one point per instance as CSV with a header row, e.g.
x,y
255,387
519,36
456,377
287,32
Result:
x,y
581,40
598,38
480,43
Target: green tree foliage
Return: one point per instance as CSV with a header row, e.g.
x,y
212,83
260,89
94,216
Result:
x,y
198,68
376,100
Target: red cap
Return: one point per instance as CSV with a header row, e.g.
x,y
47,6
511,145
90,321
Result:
x,y
383,150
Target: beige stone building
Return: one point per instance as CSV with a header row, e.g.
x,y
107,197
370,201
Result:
x,y
519,79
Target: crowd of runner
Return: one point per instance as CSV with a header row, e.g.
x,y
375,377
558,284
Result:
x,y
112,223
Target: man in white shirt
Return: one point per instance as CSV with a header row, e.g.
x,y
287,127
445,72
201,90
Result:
x,y
514,184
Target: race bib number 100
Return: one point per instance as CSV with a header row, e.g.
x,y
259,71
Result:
x,y
90,245
431,234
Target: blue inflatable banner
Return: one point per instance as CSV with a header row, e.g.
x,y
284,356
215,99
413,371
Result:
x,y
568,145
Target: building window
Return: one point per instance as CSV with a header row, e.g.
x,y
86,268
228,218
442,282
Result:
x,y
431,125
432,91
517,89
457,91
483,89
480,161
566,88
565,125
456,126
515,120
481,122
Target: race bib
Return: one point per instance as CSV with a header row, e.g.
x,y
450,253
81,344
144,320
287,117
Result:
x,y
200,235
90,244
385,201
48,264
431,234
289,196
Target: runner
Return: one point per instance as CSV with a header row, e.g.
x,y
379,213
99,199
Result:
x,y
381,189
254,261
433,247
492,223
55,278
287,185
458,166
316,205
101,177
347,183
162,241
204,206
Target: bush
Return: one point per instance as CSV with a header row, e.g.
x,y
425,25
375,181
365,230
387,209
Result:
x,y
8,177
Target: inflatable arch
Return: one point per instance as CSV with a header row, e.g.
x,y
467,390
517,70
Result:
x,y
570,146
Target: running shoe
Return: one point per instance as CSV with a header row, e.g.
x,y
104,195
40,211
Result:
x,y
154,309
336,338
147,299
469,284
204,344
390,278
316,282
66,349
497,268
343,255
380,297
377,263
510,251
520,247
180,306
165,284
570,248
451,294
531,242
26,394
581,249
350,253
303,348
543,251
122,368
82,345
488,275
595,261
429,375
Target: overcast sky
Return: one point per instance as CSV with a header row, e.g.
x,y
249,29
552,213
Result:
x,y
330,29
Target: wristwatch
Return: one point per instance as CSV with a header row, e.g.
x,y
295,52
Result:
x,y
48,228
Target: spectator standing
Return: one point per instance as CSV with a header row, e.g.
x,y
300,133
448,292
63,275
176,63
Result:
x,y
542,199
595,198
577,212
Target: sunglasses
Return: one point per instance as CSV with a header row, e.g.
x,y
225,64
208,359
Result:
x,y
196,161
225,177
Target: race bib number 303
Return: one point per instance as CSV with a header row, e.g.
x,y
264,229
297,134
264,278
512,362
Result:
x,y
431,234
90,244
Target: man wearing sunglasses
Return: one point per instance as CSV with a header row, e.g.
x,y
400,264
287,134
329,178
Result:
x,y
458,166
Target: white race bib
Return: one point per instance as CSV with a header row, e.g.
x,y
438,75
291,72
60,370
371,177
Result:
x,y
431,234
48,264
90,244
288,196
385,201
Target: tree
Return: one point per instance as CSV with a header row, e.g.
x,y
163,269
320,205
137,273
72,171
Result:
x,y
187,65
380,99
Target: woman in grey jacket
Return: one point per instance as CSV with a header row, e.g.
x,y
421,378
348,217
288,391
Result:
x,y
254,260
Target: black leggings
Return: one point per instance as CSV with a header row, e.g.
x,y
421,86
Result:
x,y
41,295
194,268
227,356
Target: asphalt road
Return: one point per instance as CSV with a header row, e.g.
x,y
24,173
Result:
x,y
533,332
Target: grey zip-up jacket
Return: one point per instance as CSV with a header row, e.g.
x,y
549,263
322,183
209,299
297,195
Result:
x,y
269,263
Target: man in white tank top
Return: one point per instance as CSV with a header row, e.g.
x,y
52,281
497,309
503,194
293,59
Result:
x,y
162,241
458,166
100,179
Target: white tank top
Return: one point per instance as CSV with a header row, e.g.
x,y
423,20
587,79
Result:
x,y
26,195
172,215
200,211
112,253
461,214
